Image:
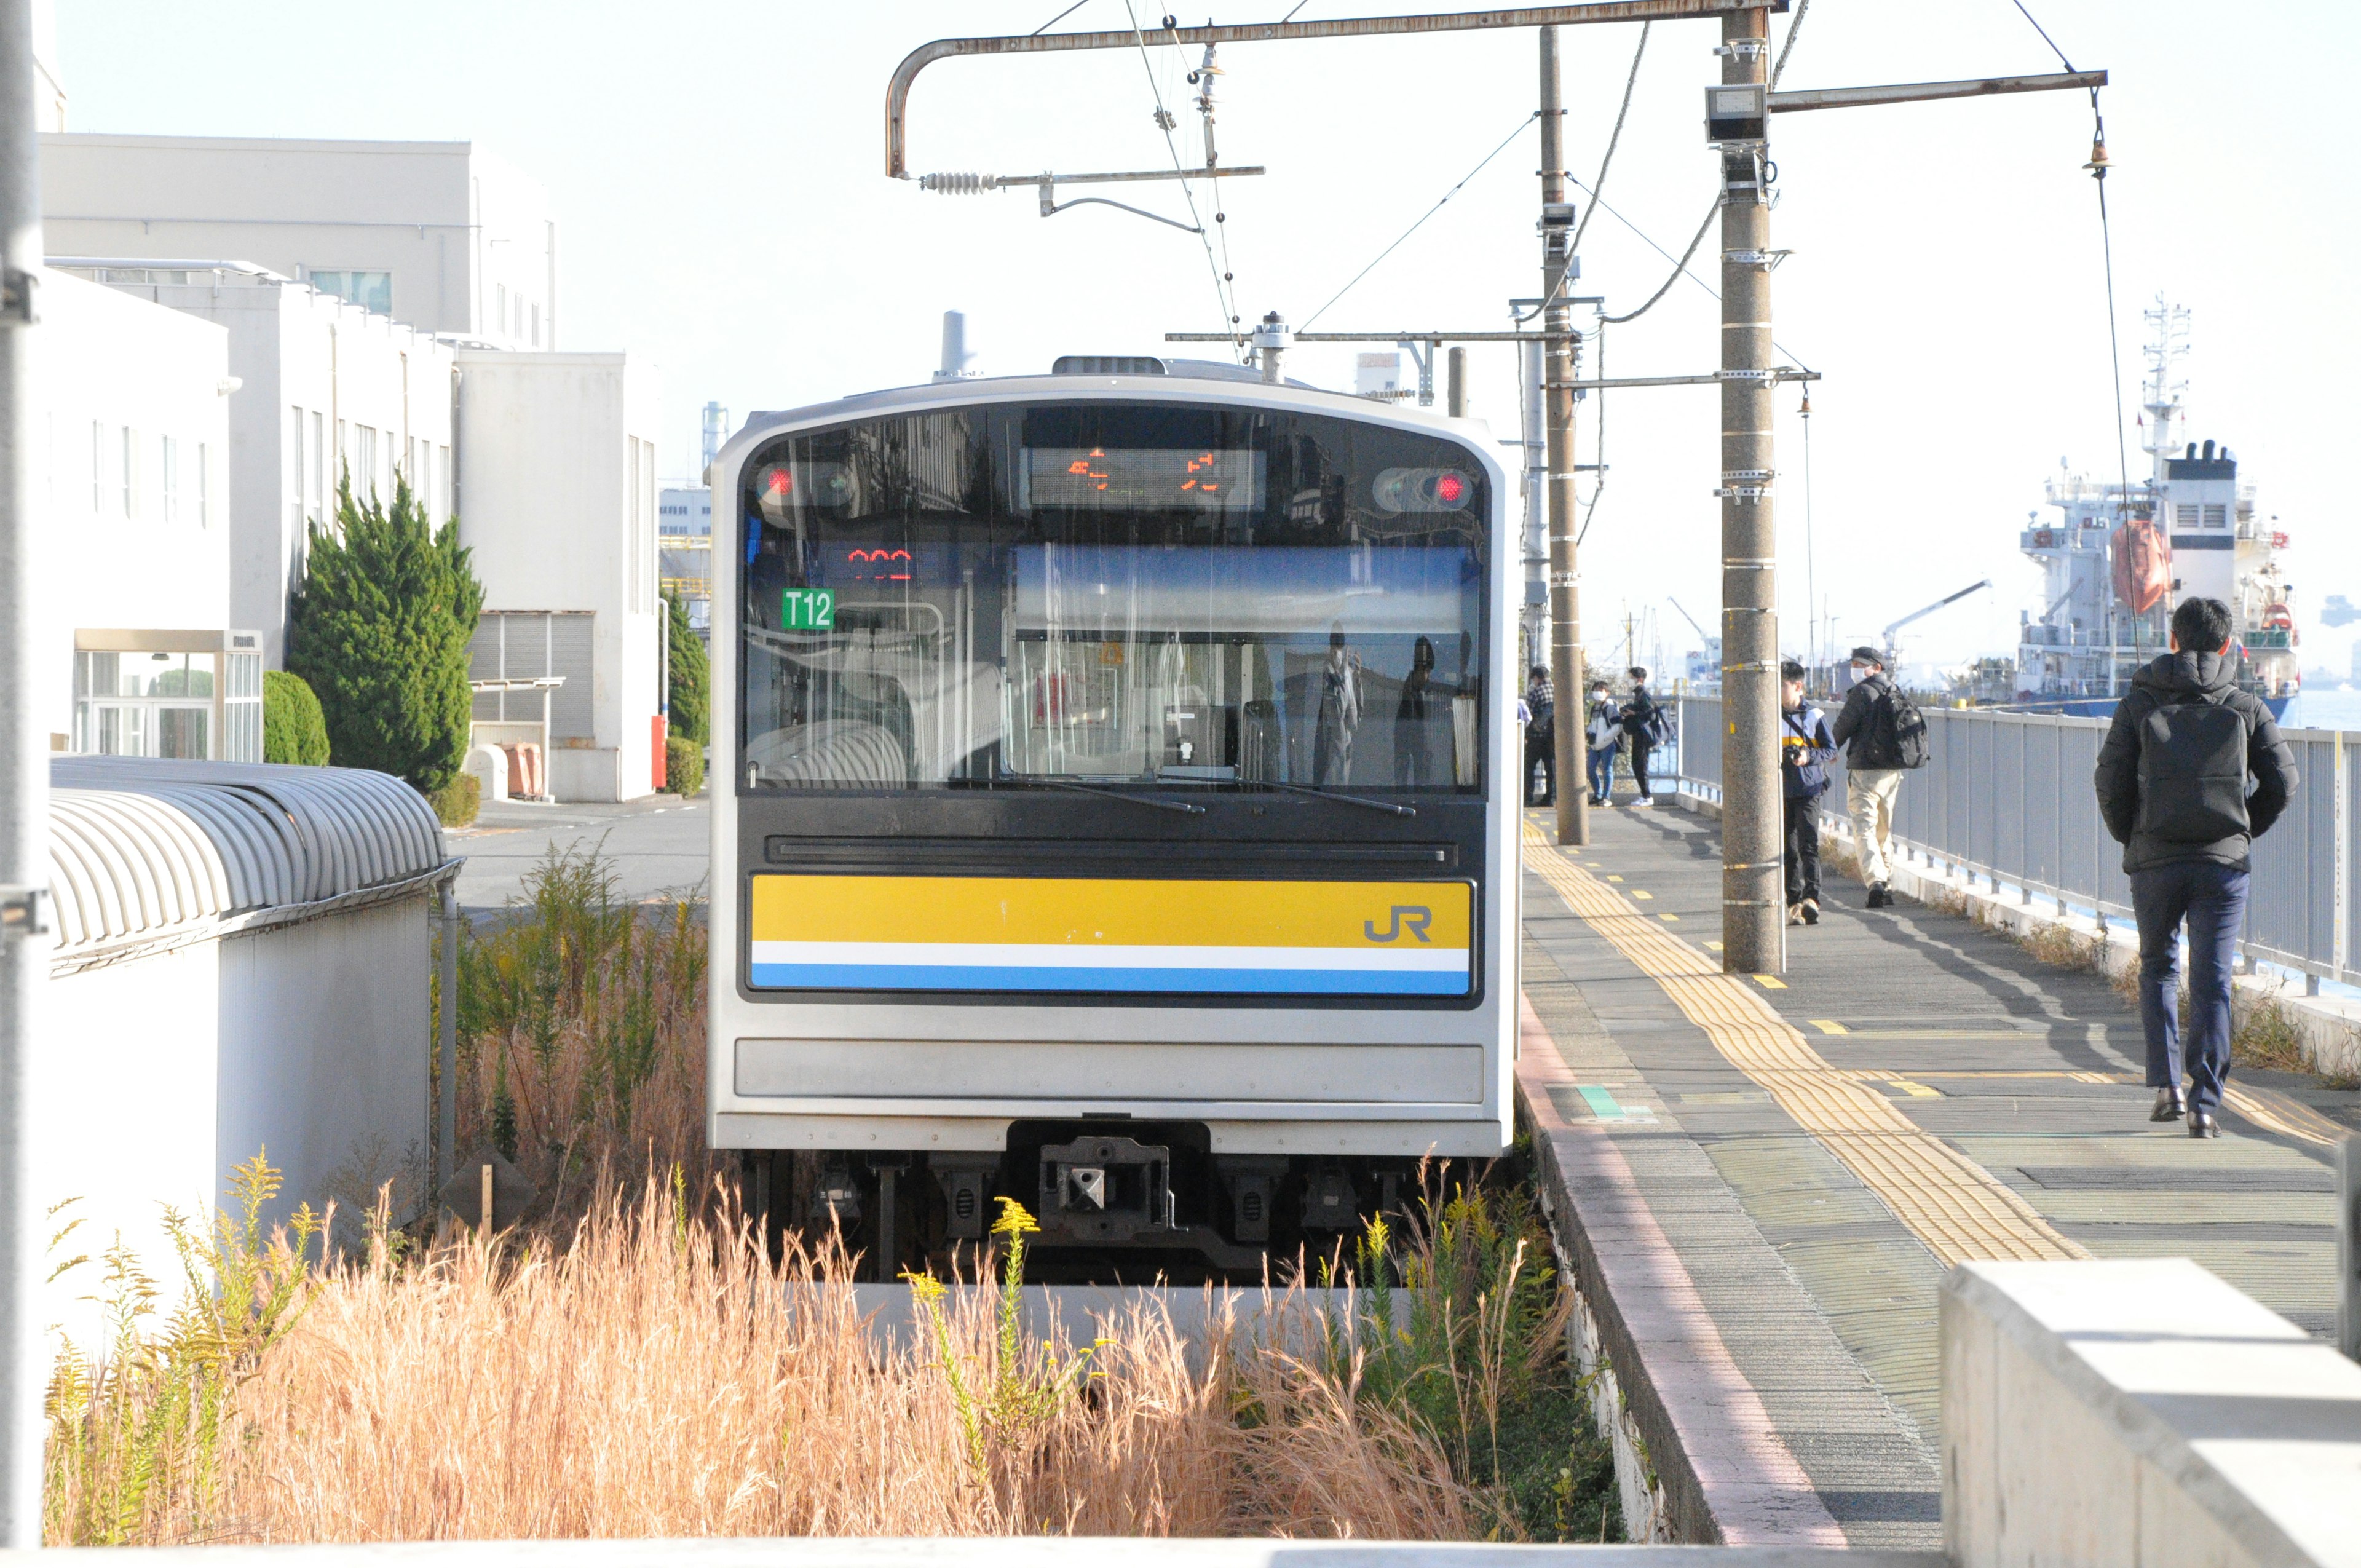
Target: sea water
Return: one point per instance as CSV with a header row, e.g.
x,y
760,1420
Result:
x,y
2323,707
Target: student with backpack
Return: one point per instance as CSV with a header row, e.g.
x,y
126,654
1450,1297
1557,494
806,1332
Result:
x,y
2192,772
1603,740
1647,726
1883,735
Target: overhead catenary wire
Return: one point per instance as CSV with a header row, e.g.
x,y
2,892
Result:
x,y
1413,228
1803,8
1061,16
1164,122
1614,136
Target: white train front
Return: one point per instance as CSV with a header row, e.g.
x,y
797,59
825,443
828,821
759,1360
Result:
x,y
1114,810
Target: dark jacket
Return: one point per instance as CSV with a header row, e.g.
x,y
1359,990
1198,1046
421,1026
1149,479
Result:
x,y
1855,731
2178,678
1637,712
1806,749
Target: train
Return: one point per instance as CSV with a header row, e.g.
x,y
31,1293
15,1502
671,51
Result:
x,y
1114,812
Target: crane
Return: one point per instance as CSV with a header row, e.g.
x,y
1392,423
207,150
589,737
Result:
x,y
1887,637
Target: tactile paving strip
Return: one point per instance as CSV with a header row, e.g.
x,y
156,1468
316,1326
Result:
x,y
1945,1200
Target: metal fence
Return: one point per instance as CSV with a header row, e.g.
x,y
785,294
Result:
x,y
2008,798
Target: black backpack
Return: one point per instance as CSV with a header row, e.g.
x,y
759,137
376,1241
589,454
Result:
x,y
1542,724
1897,730
2192,774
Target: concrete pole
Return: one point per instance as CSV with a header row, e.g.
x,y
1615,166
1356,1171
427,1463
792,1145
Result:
x,y
1455,396
1753,910
24,800
1557,401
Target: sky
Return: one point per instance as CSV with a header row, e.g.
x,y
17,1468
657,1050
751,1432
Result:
x,y
718,170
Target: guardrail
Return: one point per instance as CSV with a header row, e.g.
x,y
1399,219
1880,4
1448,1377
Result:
x,y
2008,798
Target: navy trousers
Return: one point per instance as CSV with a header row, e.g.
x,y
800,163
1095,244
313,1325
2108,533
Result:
x,y
2212,898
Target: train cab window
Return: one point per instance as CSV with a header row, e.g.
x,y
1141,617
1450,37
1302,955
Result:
x,y
1128,596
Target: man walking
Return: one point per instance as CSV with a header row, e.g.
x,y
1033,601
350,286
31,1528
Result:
x,y
1540,736
1867,729
2192,772
1643,725
1806,749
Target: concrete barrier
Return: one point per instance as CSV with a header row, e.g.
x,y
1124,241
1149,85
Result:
x,y
2140,1412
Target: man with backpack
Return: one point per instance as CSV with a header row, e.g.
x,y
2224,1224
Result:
x,y
2192,772
1540,736
1647,726
1883,735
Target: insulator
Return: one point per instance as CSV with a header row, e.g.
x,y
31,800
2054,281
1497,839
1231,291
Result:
x,y
1164,120
959,184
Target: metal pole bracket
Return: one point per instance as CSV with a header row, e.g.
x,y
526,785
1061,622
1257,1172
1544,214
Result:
x,y
25,912
17,290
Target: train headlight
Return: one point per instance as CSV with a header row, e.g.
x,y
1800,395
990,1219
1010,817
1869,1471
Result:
x,y
1422,489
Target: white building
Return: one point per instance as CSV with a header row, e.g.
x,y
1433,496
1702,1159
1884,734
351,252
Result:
x,y
440,235
141,651
557,502
326,388
240,967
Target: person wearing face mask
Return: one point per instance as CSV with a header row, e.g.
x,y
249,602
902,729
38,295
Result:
x,y
1806,749
1883,735
1604,740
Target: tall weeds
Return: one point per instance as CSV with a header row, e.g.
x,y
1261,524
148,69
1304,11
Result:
x,y
582,1037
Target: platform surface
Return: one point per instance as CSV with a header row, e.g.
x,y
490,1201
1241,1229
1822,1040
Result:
x,y
1814,1150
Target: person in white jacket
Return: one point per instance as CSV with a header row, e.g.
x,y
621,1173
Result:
x,y
1606,738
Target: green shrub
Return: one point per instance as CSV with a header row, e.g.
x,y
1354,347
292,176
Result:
x,y
380,627
688,698
294,727
684,765
458,802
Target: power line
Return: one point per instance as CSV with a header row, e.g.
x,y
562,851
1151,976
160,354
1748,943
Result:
x,y
1614,136
1413,228
1061,16
2039,29
1165,122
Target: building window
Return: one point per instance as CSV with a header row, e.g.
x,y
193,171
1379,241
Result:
x,y
128,445
364,460
369,291
295,458
98,465
170,485
2217,517
319,463
536,326
205,486
194,705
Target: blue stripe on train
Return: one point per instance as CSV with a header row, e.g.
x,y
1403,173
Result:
x,y
1012,977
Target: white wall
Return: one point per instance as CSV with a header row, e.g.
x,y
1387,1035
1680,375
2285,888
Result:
x,y
557,500
326,387
455,226
159,1074
120,365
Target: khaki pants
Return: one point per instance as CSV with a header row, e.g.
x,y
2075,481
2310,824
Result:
x,y
1870,794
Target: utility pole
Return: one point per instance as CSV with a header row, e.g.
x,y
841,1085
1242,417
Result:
x,y
24,801
1557,400
1754,929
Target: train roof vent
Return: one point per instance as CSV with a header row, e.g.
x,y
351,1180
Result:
x,y
1107,364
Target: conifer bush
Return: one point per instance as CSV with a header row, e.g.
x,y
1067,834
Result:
x,y
689,697
294,727
379,627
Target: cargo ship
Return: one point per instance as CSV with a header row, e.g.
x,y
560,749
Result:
x,y
2116,557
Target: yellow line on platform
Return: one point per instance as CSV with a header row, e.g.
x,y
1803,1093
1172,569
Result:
x,y
1945,1200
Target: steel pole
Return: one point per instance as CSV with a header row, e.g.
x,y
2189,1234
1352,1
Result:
x,y
24,800
1753,926
1557,401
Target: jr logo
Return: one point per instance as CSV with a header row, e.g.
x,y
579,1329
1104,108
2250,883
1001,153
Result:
x,y
1411,918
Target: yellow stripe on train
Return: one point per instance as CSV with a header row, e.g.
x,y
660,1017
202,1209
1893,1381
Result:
x,y
1110,912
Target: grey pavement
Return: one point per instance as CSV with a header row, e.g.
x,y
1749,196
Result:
x,y
1824,1298
658,847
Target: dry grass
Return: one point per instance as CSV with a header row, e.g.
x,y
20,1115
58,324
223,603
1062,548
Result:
x,y
629,1363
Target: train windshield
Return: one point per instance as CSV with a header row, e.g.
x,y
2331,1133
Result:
x,y
1120,595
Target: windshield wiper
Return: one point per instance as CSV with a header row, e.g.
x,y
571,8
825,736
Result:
x,y
1180,805
1347,799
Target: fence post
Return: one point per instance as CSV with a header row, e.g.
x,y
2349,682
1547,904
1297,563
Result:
x,y
2348,1247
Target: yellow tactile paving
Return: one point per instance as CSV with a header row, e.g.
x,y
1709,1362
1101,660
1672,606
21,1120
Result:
x,y
1948,1201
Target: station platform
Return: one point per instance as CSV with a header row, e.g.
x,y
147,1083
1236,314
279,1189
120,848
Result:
x,y
1762,1180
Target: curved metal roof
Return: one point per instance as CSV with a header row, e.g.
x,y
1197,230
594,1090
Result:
x,y
144,850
